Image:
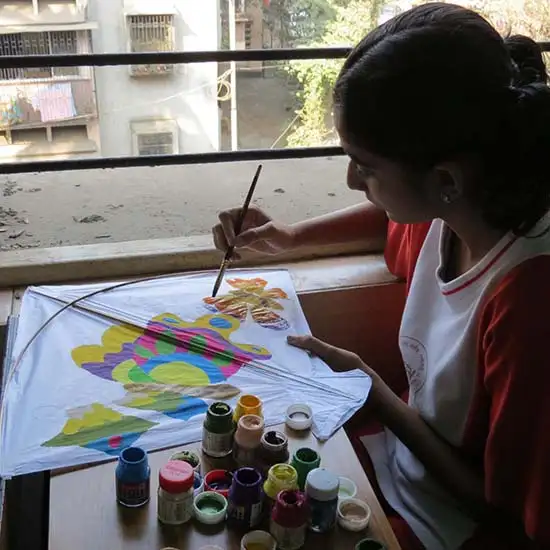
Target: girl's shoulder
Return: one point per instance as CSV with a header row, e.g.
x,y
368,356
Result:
x,y
403,245
526,287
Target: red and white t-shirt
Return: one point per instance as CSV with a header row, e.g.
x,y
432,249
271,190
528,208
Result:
x,y
476,354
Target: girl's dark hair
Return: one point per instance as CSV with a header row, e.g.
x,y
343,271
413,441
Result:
x,y
438,83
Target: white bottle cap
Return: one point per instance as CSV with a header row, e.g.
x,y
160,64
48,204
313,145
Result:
x,y
353,514
299,417
323,485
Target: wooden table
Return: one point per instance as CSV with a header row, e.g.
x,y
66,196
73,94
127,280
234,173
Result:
x,y
84,514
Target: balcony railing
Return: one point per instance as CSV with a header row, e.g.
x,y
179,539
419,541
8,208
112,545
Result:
x,y
40,102
220,56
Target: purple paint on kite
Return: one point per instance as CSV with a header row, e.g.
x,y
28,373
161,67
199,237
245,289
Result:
x,y
215,341
215,345
111,360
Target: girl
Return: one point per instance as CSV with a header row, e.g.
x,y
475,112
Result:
x,y
448,130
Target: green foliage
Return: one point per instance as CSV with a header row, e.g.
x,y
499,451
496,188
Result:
x,y
352,20
295,23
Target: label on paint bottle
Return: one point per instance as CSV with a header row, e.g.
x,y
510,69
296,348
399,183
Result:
x,y
175,511
288,538
217,445
249,514
132,494
255,514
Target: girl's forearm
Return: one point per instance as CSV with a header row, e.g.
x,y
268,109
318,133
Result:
x,y
439,457
357,223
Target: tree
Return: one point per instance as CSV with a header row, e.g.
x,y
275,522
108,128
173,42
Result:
x,y
352,20
355,18
529,17
293,23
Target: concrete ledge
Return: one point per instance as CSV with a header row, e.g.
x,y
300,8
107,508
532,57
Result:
x,y
134,258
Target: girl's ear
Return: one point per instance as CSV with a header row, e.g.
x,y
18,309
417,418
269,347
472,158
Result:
x,y
447,182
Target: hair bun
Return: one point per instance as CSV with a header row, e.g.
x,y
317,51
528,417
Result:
x,y
533,107
527,59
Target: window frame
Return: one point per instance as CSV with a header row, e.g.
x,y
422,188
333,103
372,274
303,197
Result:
x,y
157,69
47,37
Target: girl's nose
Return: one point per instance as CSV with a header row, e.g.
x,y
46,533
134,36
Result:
x,y
354,180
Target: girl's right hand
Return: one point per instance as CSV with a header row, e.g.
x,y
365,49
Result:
x,y
259,232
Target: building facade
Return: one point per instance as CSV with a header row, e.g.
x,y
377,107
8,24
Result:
x,y
77,112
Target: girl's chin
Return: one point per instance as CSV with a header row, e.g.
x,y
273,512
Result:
x,y
392,216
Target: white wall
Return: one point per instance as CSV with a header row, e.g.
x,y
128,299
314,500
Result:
x,y
54,12
189,95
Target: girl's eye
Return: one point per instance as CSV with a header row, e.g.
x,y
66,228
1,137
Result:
x,y
363,171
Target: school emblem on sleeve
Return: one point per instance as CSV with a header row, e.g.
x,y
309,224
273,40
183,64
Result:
x,y
415,359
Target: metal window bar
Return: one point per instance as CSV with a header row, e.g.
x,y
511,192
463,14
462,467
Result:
x,y
220,56
151,33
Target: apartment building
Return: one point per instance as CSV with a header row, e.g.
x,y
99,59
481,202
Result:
x,y
46,113
157,109
249,31
77,112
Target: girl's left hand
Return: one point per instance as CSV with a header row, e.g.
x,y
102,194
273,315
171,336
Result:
x,y
338,359
341,360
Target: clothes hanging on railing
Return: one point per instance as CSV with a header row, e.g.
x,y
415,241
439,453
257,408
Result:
x,y
55,101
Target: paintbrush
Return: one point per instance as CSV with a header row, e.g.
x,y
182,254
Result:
x,y
238,226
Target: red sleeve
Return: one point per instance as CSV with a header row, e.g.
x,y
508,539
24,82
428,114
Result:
x,y
403,246
514,338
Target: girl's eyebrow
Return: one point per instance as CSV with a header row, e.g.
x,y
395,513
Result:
x,y
360,162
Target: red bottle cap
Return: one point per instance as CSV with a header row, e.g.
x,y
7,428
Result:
x,y
291,509
176,476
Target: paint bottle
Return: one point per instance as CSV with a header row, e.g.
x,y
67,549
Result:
x,y
198,484
217,434
273,450
247,404
245,499
250,429
305,460
289,520
218,481
175,493
189,456
210,508
281,477
322,489
132,478
258,540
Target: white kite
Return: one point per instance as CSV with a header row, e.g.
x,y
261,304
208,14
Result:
x,y
138,364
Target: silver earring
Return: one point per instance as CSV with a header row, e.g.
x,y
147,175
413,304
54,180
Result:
x,y
446,198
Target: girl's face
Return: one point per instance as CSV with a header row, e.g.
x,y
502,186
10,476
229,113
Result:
x,y
407,197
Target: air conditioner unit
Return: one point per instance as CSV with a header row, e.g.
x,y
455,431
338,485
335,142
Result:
x,y
156,69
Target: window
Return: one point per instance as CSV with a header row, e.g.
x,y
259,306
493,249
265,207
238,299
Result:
x,y
151,33
38,43
155,144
